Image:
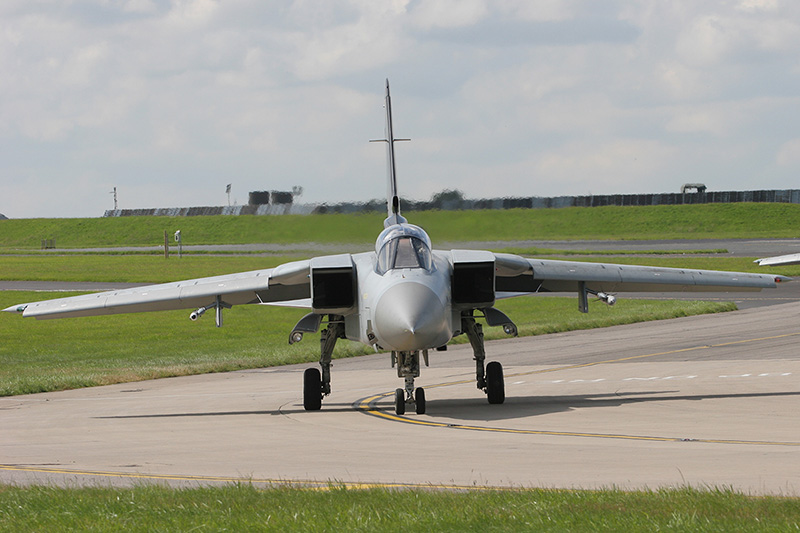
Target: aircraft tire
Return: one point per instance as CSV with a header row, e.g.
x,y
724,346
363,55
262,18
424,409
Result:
x,y
400,402
419,400
312,389
495,385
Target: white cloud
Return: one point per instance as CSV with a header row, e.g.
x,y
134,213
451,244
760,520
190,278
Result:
x,y
555,97
542,10
789,154
146,7
716,120
753,6
614,167
191,14
448,13
81,67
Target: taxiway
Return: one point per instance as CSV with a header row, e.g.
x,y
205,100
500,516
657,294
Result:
x,y
709,401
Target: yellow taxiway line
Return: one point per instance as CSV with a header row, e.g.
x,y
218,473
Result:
x,y
368,405
302,484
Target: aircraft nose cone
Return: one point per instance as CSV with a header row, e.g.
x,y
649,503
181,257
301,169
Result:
x,y
410,316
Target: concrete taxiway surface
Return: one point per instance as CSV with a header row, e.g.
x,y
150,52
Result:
x,y
702,401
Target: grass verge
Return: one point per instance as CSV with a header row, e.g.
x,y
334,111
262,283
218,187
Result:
x,y
245,508
48,355
710,221
156,269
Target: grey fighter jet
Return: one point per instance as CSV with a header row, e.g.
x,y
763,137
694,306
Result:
x,y
405,297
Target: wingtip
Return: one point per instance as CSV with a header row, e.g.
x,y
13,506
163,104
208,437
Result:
x,y
16,308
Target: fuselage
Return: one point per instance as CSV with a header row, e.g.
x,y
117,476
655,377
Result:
x,y
404,301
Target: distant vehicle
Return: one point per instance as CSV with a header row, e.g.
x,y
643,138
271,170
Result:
x,y
405,297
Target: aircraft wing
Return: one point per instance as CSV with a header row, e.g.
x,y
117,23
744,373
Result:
x,y
790,259
517,274
286,283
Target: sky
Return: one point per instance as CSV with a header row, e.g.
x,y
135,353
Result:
x,y
171,100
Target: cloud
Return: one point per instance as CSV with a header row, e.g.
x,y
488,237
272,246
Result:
x,y
614,166
789,154
171,100
448,13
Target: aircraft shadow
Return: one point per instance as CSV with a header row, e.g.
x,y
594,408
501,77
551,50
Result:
x,y
529,406
477,409
287,410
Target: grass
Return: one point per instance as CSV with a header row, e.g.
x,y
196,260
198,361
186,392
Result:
x,y
38,356
127,268
53,355
48,355
744,220
244,508
156,269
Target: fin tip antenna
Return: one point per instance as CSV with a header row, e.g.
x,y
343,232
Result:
x,y
393,200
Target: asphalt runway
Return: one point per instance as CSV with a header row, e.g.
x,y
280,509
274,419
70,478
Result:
x,y
709,401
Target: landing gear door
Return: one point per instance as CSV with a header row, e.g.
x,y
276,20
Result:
x,y
473,278
333,284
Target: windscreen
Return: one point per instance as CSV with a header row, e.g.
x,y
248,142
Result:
x,y
403,246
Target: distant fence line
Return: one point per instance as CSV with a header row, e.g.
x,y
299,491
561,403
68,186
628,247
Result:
x,y
291,209
598,200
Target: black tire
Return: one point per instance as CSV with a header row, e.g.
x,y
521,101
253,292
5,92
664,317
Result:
x,y
312,389
400,402
419,400
495,385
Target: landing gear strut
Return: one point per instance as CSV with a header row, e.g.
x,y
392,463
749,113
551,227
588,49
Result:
x,y
408,368
489,377
317,382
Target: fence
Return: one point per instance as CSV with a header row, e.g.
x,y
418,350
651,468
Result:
x,y
535,202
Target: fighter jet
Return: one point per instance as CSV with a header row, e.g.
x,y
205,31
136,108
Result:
x,y
405,298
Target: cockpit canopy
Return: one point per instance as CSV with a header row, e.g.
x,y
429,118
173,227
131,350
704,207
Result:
x,y
403,246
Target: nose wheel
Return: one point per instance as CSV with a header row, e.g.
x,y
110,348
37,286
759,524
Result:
x,y
401,399
399,402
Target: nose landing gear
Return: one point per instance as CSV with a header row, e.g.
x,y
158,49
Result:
x,y
408,368
418,400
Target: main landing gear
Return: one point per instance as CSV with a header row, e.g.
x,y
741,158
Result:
x,y
489,377
317,381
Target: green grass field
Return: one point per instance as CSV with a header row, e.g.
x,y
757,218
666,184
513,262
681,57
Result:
x,y
156,269
745,220
244,508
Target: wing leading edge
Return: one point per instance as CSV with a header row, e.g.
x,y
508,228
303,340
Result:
x,y
286,283
784,260
517,274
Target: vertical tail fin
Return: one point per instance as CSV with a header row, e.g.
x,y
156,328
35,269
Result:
x,y
392,198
